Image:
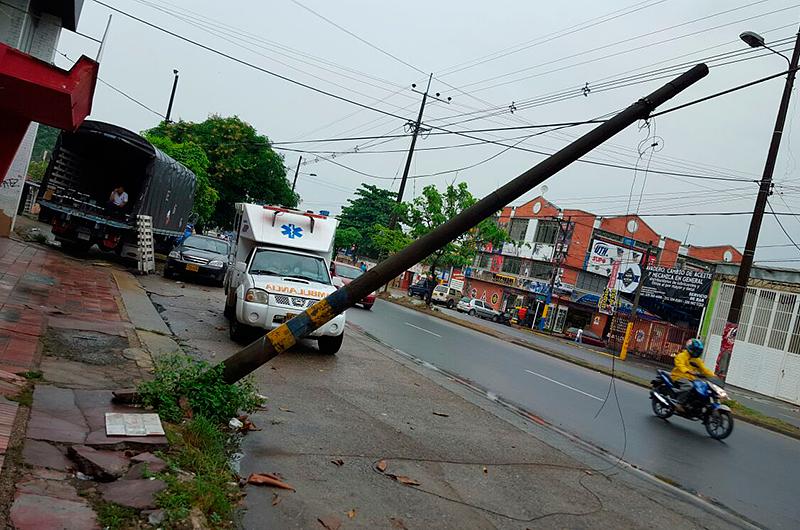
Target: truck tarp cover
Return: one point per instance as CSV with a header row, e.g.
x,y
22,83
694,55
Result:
x,y
168,193
164,189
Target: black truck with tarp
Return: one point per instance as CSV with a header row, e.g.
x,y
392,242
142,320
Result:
x,y
91,162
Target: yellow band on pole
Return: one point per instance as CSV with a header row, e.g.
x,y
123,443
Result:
x,y
626,341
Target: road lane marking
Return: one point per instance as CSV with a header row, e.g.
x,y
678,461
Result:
x,y
565,386
423,329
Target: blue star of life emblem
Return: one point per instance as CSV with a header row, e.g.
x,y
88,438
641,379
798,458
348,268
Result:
x,y
291,231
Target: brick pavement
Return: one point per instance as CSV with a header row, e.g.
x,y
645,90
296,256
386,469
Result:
x,y
41,289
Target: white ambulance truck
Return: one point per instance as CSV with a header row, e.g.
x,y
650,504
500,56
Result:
x,y
279,266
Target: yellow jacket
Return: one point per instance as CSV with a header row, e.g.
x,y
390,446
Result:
x,y
687,366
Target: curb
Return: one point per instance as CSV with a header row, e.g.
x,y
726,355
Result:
x,y
790,431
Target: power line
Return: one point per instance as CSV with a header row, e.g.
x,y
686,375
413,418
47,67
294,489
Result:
x,y
248,64
119,91
781,224
374,47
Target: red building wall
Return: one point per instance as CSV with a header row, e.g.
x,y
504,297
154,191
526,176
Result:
x,y
715,254
491,293
668,257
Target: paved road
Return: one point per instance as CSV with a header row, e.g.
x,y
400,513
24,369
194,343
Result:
x,y
755,472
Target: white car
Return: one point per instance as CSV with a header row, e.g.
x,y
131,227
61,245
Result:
x,y
477,308
442,294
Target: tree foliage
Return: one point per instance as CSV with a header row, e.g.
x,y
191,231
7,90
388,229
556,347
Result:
x,y
389,241
433,208
372,206
242,165
36,170
193,157
45,141
346,237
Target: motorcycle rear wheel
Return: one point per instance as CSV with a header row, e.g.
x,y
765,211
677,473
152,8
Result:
x,y
719,424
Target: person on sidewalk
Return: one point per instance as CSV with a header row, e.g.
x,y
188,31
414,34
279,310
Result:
x,y
579,336
522,315
688,366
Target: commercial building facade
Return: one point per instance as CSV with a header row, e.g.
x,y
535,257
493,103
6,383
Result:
x,y
576,251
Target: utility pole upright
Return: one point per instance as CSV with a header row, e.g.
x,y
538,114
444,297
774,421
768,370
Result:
x,y
416,128
764,189
172,97
296,172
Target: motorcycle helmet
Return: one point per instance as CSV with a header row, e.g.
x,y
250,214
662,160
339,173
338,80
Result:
x,y
695,347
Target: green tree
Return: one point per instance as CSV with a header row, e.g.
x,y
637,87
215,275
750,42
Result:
x,y
346,237
389,241
242,165
193,157
36,170
433,208
45,141
372,206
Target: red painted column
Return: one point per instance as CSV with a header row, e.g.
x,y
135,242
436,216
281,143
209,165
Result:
x,y
12,131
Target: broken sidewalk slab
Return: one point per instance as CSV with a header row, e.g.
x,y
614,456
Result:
x,y
35,512
138,494
43,454
104,466
145,462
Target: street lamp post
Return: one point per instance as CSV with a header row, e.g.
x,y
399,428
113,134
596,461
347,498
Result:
x,y
755,40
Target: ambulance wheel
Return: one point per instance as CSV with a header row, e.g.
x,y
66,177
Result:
x,y
330,345
239,332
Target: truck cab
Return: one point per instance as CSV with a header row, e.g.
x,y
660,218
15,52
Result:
x,y
280,266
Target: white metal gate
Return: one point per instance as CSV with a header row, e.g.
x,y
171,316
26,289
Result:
x,y
766,355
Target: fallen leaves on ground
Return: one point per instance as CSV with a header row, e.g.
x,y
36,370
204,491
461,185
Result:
x,y
247,425
351,514
402,479
338,462
381,466
330,522
276,499
284,409
268,479
442,414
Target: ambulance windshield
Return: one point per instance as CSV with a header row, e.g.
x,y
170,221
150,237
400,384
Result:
x,y
288,265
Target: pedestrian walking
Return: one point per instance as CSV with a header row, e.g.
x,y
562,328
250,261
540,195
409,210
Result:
x,y
579,336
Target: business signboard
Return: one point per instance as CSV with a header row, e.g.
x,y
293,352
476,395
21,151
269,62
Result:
x,y
603,255
677,286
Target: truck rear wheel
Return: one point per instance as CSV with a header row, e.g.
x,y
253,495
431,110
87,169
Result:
x,y
330,345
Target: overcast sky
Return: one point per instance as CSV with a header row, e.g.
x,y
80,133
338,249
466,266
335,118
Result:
x,y
484,56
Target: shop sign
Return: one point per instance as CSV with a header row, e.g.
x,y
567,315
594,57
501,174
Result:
x,y
608,302
603,256
677,286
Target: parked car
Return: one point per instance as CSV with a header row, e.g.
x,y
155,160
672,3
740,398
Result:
x,y
445,295
348,273
419,289
199,256
586,338
477,308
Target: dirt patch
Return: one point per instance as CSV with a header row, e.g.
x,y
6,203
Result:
x,y
89,347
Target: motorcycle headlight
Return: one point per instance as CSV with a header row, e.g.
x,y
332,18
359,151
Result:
x,y
217,264
258,296
718,390
175,254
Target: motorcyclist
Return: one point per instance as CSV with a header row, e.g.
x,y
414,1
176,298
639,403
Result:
x,y
688,366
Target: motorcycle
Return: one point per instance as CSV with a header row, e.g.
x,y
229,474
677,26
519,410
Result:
x,y
702,403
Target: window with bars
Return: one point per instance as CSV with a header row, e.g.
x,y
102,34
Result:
x,y
794,341
761,317
511,265
517,229
722,308
537,269
546,232
783,319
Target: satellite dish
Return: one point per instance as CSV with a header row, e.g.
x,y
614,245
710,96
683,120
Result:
x,y
544,189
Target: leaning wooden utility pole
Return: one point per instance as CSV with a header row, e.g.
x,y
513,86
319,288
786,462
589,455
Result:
x,y
284,337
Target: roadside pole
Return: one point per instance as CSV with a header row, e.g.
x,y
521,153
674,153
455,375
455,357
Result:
x,y
288,334
629,328
297,172
764,190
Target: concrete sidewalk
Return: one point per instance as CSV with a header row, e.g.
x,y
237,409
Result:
x,y
453,458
